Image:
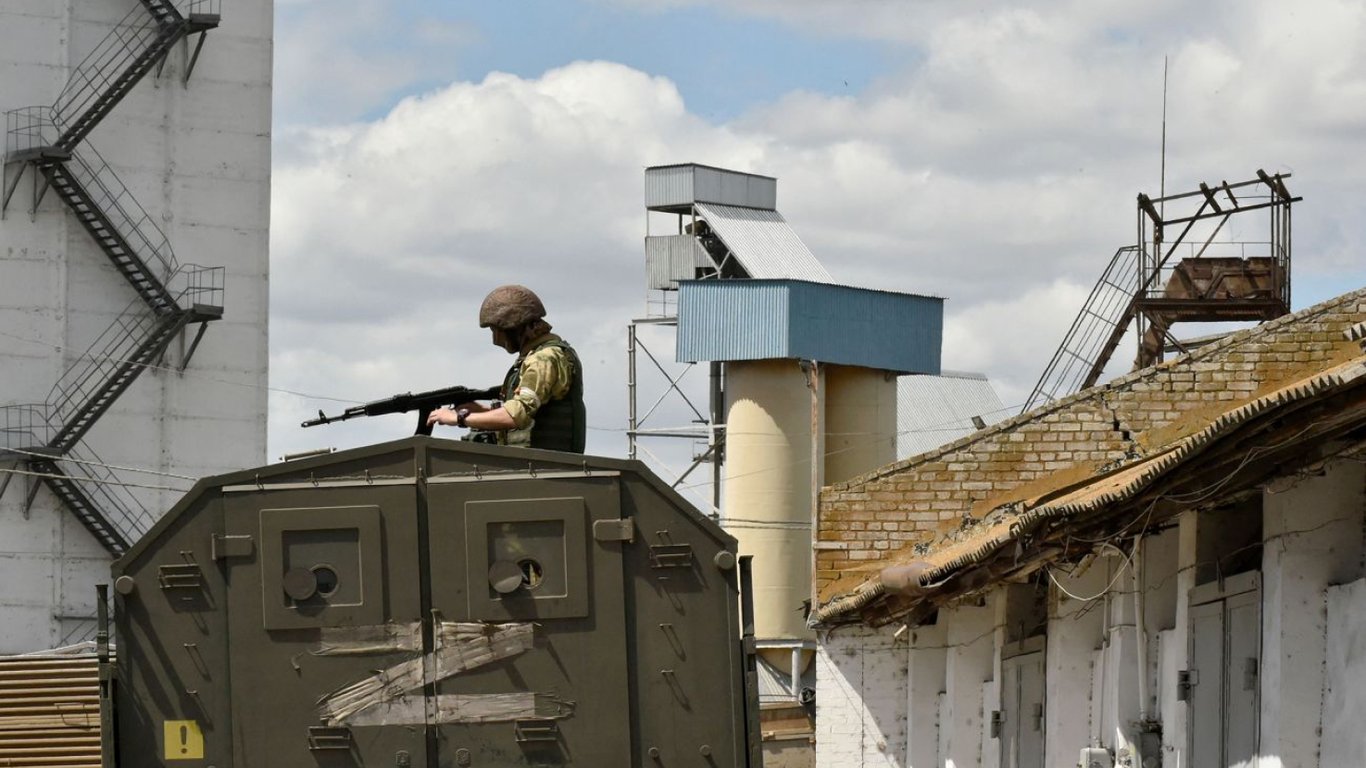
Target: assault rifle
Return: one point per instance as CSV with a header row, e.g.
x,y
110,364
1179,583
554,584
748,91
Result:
x,y
423,402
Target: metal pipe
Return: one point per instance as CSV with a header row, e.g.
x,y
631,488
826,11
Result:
x,y
106,676
754,736
631,390
1140,629
717,436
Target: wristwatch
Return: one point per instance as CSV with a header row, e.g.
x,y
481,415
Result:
x,y
460,417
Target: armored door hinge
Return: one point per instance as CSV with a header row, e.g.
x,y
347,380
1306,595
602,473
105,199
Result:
x,y
327,738
998,720
670,555
1250,673
223,547
184,575
615,530
535,729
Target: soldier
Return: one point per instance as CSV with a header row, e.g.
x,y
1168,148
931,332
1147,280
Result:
x,y
543,391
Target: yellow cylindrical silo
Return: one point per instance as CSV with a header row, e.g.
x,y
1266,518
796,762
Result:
x,y
768,488
860,421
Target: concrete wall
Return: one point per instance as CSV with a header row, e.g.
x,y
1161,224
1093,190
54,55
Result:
x,y
861,697
197,158
1313,539
1344,708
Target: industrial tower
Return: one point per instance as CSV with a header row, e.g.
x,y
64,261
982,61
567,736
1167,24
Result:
x,y
128,373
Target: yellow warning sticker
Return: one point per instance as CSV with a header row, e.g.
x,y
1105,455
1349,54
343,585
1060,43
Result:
x,y
184,740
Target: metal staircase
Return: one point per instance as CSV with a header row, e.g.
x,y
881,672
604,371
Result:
x,y
49,142
1094,334
137,43
1191,277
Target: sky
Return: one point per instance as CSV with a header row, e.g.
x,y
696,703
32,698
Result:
x,y
991,154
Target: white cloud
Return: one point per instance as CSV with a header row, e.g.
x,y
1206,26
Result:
x,y
387,235
998,170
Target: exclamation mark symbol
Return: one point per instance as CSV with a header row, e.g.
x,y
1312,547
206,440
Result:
x,y
184,739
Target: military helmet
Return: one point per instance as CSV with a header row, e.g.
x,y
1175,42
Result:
x,y
510,306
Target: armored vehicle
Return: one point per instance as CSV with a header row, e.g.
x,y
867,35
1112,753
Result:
x,y
433,603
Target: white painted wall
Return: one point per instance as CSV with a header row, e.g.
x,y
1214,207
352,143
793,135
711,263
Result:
x,y
969,662
197,158
861,699
1344,706
1313,539
924,695
1075,634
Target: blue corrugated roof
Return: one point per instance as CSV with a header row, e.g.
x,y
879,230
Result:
x,y
726,320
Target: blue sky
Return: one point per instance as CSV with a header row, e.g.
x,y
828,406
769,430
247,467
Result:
x,y
986,152
723,63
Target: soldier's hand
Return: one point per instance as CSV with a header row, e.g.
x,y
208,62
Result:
x,y
444,416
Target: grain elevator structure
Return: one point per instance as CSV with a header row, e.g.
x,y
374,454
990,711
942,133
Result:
x,y
133,282
803,387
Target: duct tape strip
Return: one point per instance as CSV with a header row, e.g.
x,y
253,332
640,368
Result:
x,y
370,639
411,709
460,647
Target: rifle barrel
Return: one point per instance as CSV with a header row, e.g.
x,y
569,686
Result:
x,y
408,402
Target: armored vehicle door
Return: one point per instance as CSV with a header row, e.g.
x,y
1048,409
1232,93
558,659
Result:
x,y
530,656
325,637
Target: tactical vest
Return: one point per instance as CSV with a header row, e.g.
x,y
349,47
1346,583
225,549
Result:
x,y
559,425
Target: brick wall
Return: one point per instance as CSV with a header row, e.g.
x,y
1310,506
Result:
x,y
861,696
896,511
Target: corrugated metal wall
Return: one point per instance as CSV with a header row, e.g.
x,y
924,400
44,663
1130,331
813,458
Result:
x,y
733,320
49,711
727,320
679,186
936,410
670,258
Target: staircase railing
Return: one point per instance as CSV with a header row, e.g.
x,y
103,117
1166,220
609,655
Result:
x,y
97,480
24,427
132,342
134,224
1096,331
29,128
27,430
96,79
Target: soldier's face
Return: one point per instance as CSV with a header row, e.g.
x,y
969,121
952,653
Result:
x,y
501,338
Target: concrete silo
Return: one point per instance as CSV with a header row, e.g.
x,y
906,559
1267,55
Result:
x,y
128,366
804,374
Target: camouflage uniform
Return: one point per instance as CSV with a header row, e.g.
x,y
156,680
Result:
x,y
544,374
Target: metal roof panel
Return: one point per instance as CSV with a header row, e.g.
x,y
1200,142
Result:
x,y
763,243
936,410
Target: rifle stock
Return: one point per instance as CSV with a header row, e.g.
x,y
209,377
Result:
x,y
422,402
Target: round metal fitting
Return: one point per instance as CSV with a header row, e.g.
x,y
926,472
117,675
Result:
x,y
125,585
724,560
505,577
300,583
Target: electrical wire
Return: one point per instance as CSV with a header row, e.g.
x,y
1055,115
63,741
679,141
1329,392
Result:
x,y
1129,559
100,464
178,372
96,481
